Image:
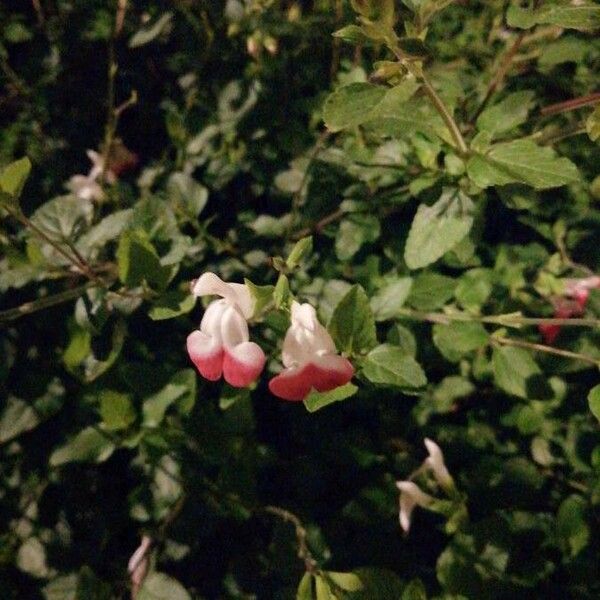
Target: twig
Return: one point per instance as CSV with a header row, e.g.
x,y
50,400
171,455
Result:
x,y
41,303
504,320
500,74
437,102
547,349
301,534
572,104
76,260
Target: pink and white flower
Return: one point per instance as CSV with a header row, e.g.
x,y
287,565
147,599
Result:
x,y
571,304
221,346
310,358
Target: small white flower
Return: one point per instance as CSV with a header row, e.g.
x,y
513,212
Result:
x,y
139,563
411,495
435,461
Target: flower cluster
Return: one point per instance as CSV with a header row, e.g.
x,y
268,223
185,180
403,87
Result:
x,y
411,495
571,304
222,346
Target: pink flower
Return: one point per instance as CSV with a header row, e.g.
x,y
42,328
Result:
x,y
309,357
573,303
221,346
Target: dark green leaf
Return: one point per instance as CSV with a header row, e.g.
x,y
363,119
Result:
x,y
352,324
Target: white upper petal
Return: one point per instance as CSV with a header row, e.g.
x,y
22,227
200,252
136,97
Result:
x,y
211,321
306,339
234,329
236,294
435,461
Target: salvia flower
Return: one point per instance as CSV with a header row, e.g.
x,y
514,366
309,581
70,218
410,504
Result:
x,y
571,304
310,358
221,346
435,462
86,187
411,494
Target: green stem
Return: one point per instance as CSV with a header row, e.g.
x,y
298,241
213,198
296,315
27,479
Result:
x,y
504,320
437,102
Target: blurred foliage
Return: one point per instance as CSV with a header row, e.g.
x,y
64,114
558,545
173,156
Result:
x,y
452,199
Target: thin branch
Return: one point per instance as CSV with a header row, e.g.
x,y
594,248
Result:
x,y
76,260
547,349
573,104
509,320
437,102
500,74
301,534
27,308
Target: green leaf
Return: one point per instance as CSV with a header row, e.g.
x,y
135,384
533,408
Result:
x,y
62,588
108,229
474,288
388,300
187,194
31,558
158,586
431,291
592,125
415,590
507,114
572,527
171,304
19,416
515,371
565,14
351,105
352,34
437,229
301,250
146,35
322,589
594,401
12,180
89,445
180,390
458,339
116,410
281,293
389,365
352,324
349,582
353,232
304,591
262,294
521,161
317,400
138,261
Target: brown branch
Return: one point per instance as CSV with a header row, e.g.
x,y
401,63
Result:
x,y
573,104
500,74
547,349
